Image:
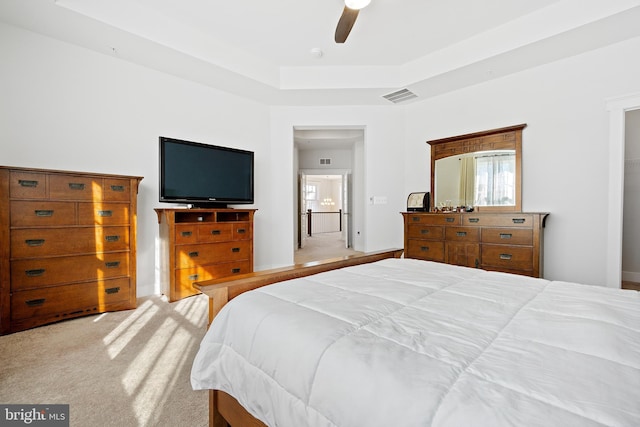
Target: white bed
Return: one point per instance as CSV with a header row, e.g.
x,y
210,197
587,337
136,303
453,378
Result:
x,y
403,342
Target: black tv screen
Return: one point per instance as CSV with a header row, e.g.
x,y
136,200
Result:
x,y
204,175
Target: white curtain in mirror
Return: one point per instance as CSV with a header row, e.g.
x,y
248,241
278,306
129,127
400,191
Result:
x,y
494,180
467,181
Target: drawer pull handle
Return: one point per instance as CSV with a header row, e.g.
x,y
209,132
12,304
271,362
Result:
x,y
35,272
112,264
518,220
44,212
425,231
235,249
450,219
461,233
415,218
235,270
424,248
505,256
105,213
76,186
186,233
194,254
119,188
34,242
27,183
193,277
505,235
35,302
241,231
112,238
215,232
112,290
474,220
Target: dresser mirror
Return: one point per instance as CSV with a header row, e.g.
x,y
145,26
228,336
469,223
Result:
x,y
482,170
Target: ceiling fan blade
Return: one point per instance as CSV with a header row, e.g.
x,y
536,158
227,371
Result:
x,y
345,24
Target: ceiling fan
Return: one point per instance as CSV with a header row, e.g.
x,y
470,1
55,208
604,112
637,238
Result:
x,y
348,18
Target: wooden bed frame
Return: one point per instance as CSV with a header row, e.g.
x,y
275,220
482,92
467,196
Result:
x,y
224,410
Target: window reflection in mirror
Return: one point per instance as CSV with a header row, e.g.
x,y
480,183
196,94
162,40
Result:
x,y
494,184
484,178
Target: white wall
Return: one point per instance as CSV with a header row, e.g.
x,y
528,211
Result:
x,y
565,145
376,226
65,107
340,159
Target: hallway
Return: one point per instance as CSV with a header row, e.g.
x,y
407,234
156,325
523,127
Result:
x,y
322,246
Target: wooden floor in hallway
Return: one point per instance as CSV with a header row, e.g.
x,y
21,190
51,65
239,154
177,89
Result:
x,y
631,285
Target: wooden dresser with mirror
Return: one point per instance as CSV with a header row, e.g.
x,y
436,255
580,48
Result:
x,y
476,219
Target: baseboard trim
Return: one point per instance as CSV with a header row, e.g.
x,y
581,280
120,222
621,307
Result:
x,y
631,276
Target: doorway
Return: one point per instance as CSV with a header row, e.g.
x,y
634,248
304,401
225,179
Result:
x,y
324,225
618,108
326,160
631,203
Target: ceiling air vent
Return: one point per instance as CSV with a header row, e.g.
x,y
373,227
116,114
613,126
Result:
x,y
400,96
325,161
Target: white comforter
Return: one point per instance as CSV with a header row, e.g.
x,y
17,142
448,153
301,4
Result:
x,y
404,343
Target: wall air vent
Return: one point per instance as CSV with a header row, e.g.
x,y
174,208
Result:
x,y
325,161
400,96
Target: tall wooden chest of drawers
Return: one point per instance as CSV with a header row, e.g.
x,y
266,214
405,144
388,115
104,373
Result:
x,y
509,242
67,245
203,244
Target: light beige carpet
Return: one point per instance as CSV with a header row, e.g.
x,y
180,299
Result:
x,y
127,368
322,246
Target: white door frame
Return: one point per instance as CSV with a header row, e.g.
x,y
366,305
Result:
x,y
617,108
341,172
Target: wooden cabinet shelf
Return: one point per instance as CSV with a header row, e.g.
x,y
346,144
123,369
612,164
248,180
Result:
x,y
67,245
203,244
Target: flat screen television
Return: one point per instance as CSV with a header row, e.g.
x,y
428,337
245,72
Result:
x,y
203,175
